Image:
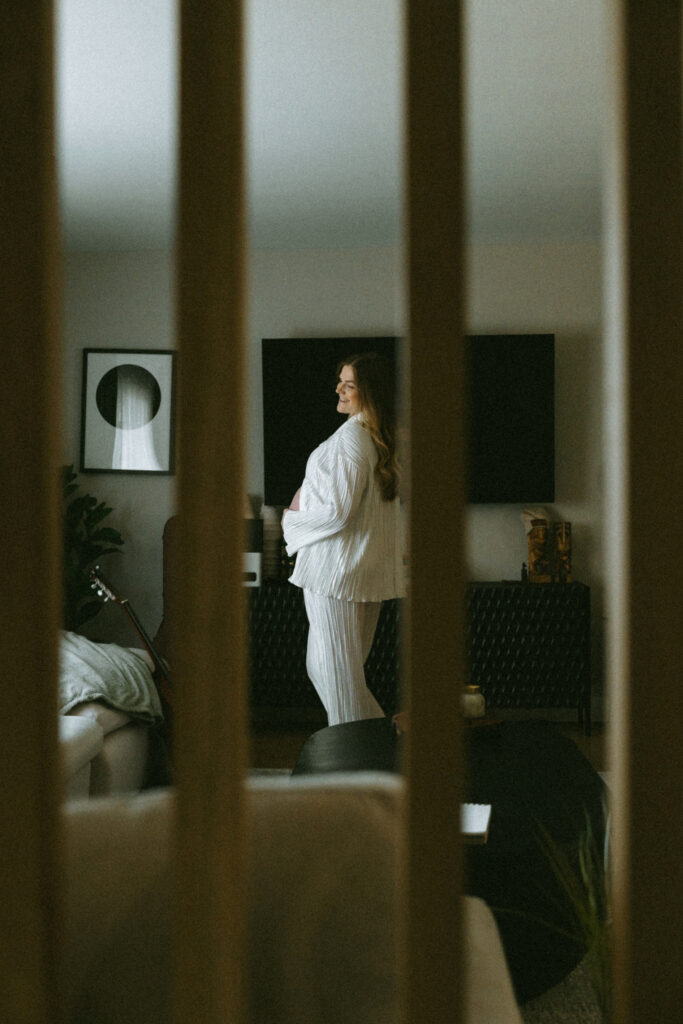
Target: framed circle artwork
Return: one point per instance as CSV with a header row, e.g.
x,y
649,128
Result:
x,y
127,411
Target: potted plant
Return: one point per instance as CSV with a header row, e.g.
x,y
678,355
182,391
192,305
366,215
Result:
x,y
85,541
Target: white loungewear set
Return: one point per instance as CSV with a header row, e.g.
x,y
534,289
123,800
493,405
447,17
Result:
x,y
349,549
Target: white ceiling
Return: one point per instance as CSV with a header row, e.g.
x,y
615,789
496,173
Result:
x,y
324,120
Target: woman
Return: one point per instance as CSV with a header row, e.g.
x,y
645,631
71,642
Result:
x,y
344,525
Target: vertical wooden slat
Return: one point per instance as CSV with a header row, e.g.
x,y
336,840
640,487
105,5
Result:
x,y
434,639
645,495
30,580
210,740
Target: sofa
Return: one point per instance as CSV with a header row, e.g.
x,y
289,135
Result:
x,y
323,908
110,718
81,741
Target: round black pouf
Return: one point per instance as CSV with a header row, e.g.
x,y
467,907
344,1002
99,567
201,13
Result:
x,y
367,745
544,795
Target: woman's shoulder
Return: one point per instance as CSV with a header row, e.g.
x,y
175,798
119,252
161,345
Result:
x,y
354,439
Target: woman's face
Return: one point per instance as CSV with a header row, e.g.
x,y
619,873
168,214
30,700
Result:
x,y
347,389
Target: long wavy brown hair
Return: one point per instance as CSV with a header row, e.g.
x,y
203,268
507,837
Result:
x,y
377,396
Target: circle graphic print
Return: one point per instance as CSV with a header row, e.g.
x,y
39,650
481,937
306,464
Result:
x,y
128,396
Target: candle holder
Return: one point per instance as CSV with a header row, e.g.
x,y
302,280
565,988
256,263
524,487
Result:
x,y
562,533
473,702
539,558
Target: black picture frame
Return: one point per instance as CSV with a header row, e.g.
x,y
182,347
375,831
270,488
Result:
x,y
128,411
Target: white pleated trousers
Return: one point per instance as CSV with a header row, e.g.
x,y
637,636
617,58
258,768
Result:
x,y
340,636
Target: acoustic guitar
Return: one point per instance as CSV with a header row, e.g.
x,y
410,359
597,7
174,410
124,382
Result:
x,y
162,673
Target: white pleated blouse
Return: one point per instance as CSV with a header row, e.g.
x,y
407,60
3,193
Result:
x,y
348,542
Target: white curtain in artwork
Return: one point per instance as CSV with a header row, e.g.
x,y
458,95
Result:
x,y
134,441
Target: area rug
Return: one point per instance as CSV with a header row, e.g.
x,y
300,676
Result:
x,y
573,1001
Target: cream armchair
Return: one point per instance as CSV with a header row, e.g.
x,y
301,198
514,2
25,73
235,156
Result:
x,y
323,910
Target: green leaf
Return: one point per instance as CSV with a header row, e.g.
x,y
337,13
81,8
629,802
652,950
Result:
x,y
107,535
85,542
98,514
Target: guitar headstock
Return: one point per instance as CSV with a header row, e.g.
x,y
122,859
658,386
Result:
x,y
102,586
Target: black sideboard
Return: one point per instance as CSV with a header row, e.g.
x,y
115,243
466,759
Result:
x,y
528,646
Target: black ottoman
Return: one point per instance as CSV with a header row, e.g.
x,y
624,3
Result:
x,y
545,797
367,745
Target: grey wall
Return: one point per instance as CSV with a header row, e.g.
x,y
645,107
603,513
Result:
x,y
120,300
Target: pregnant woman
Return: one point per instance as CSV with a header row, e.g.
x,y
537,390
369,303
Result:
x,y
344,526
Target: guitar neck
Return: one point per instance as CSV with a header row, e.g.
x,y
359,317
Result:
x,y
149,646
105,591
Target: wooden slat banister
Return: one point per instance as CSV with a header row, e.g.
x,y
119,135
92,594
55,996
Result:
x,y
30,578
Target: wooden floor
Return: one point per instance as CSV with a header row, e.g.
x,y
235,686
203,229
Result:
x,y
277,747
273,747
